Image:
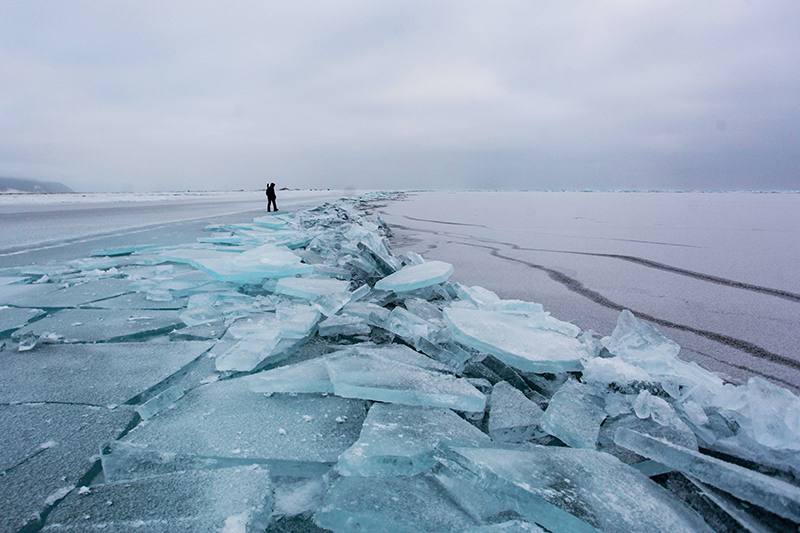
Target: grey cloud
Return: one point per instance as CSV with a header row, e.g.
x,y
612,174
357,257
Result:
x,y
186,94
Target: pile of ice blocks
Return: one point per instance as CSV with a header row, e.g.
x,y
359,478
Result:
x,y
292,374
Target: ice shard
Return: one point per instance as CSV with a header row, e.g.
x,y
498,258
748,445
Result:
x,y
512,416
398,440
310,288
562,489
414,277
230,499
343,326
511,339
574,415
511,526
773,494
371,377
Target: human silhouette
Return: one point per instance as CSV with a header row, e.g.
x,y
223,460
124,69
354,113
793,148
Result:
x,y
271,198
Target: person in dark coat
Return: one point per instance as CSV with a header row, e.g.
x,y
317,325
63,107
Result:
x,y
271,198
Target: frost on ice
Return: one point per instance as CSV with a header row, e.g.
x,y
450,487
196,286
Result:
x,y
293,373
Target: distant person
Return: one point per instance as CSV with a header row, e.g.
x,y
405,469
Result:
x,y
271,205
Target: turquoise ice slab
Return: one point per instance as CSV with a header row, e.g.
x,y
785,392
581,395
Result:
x,y
389,373
343,325
8,280
138,300
13,318
230,499
372,377
77,295
574,415
414,277
45,449
398,440
770,493
512,339
252,266
100,374
103,325
23,295
310,288
562,489
227,420
397,504
512,416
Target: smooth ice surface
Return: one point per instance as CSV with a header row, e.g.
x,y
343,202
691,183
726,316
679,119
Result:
x,y
227,419
511,339
249,351
96,325
416,277
565,489
398,440
310,288
45,450
512,416
99,374
773,494
511,526
397,504
13,318
191,501
574,415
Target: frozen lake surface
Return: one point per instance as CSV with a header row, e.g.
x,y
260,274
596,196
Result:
x,y
717,272
191,363
45,227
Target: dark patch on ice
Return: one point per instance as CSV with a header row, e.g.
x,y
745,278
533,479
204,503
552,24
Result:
x,y
579,288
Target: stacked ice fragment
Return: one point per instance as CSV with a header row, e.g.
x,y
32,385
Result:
x,y
291,373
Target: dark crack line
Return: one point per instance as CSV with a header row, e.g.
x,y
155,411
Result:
x,y
579,288
444,222
52,402
719,280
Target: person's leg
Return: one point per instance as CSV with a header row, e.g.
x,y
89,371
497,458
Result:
x,y
274,204
269,205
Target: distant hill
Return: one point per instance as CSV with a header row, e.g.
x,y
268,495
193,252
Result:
x,y
25,185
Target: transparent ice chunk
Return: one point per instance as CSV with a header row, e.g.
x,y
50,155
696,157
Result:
x,y
511,526
563,489
398,440
310,288
414,277
512,416
605,371
230,499
511,339
574,415
251,350
343,325
770,493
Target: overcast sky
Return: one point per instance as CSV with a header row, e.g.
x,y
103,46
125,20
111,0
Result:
x,y
140,95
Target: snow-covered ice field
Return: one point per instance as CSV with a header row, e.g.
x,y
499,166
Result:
x,y
717,272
